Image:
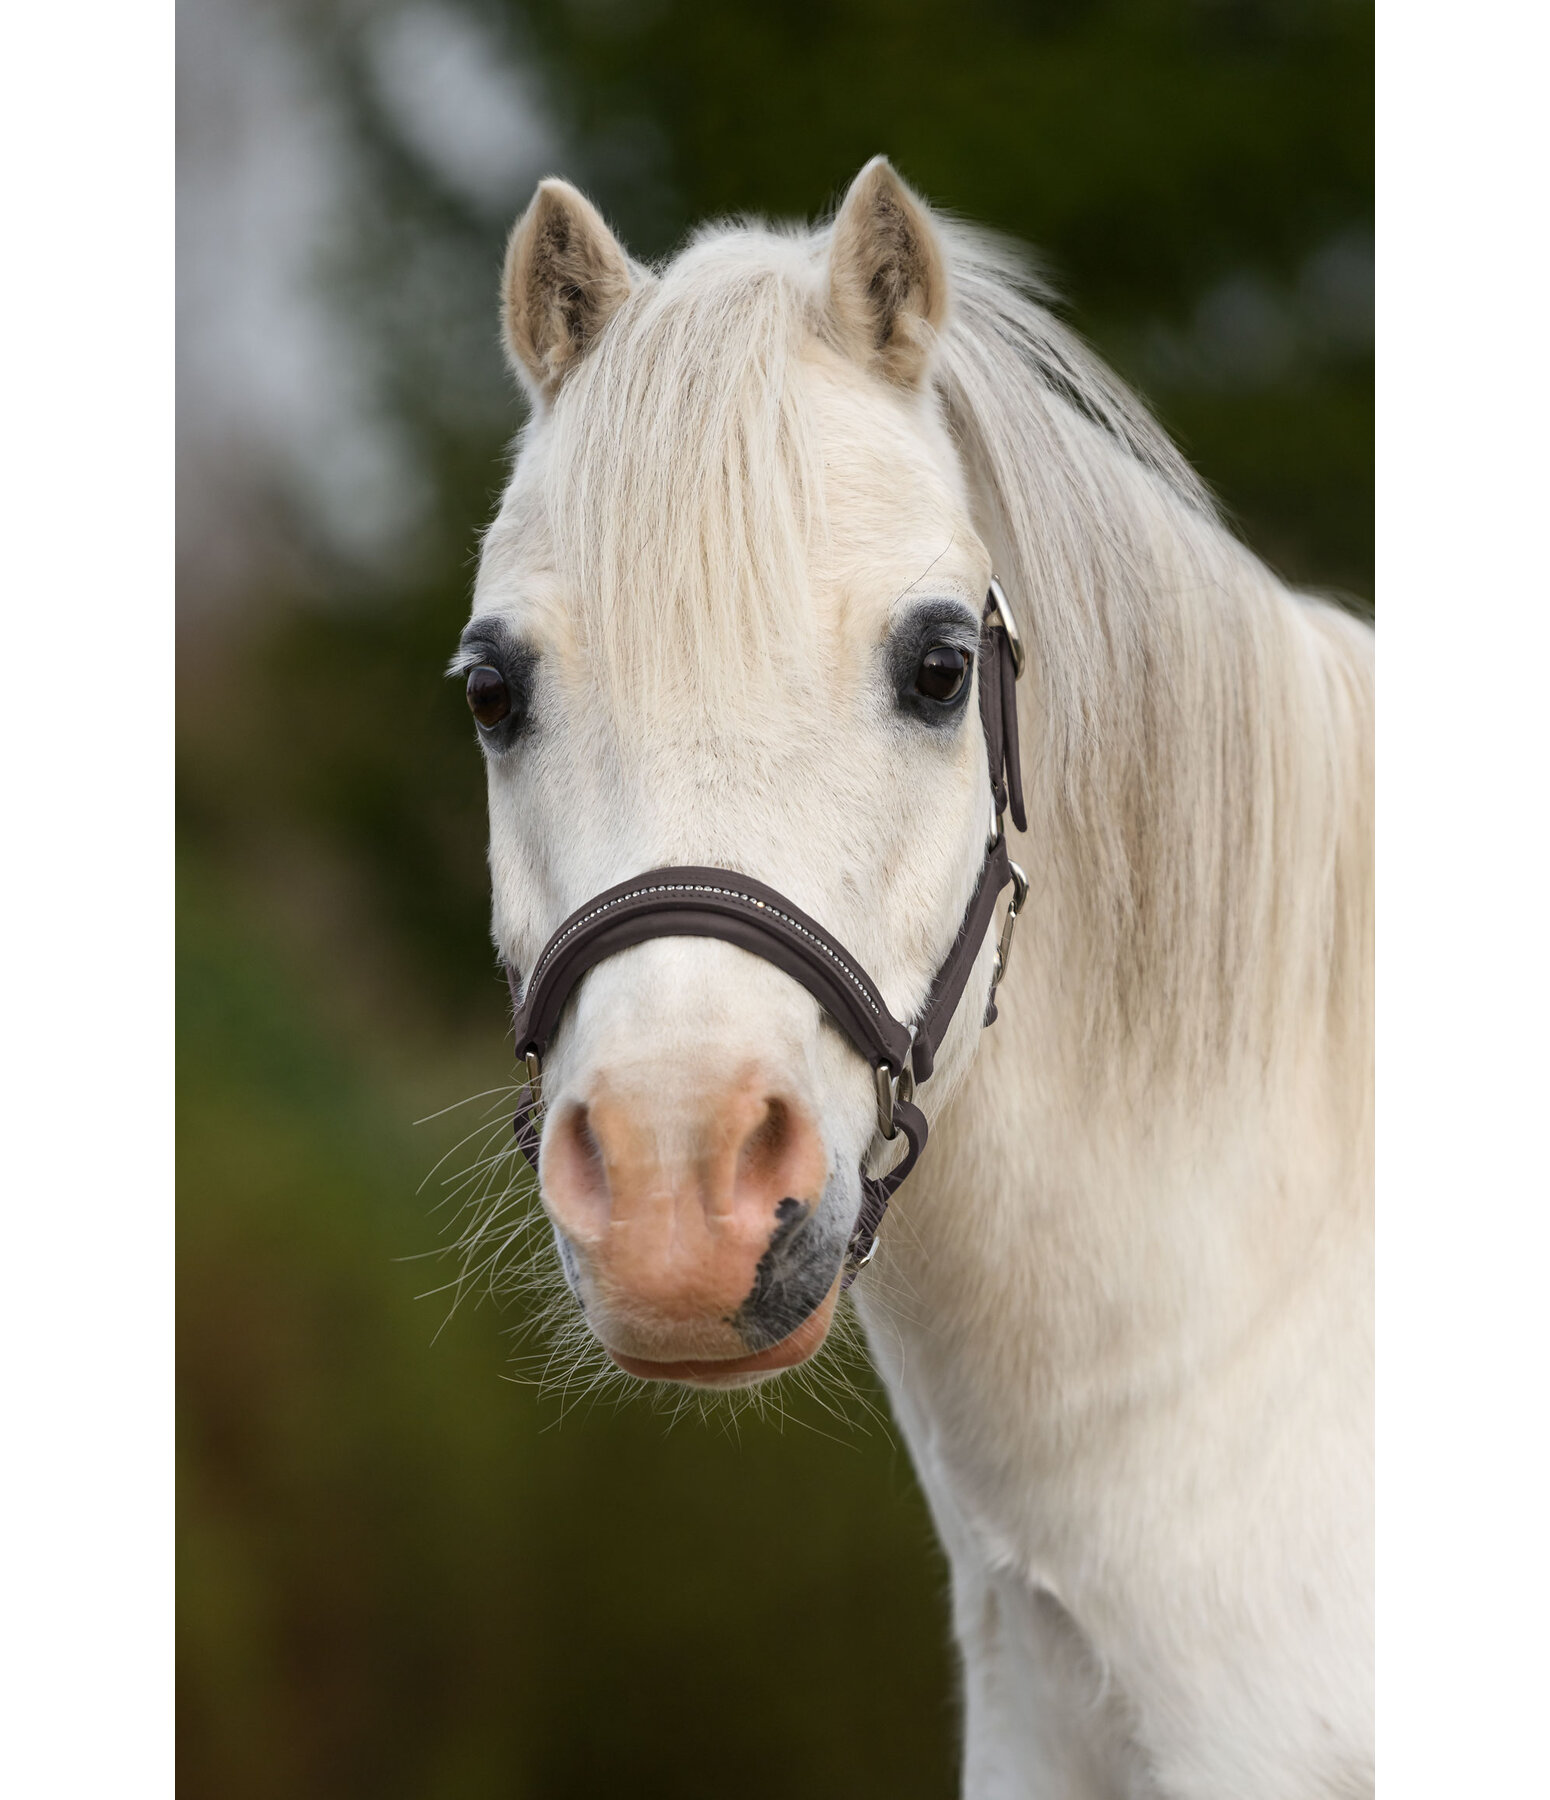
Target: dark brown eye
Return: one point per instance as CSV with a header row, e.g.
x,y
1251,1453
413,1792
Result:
x,y
942,673
489,699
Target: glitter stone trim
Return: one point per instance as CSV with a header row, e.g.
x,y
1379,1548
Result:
x,y
694,887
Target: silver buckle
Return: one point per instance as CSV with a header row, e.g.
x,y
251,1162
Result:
x,y
1003,617
892,1090
535,1079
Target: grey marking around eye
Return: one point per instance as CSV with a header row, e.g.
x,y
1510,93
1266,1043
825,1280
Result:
x,y
933,622
490,638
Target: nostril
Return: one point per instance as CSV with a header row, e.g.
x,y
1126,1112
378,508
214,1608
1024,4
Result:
x,y
578,1127
624,1181
780,1159
764,1150
575,1174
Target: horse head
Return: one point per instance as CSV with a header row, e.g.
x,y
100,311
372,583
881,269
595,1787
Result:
x,y
729,615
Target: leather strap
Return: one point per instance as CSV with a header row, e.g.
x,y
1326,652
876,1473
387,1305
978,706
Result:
x,y
953,976
718,903
721,903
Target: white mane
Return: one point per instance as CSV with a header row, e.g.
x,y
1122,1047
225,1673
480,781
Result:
x,y
1196,750
1203,748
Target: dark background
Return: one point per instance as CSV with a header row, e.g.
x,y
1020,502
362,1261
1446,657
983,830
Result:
x,y
403,1573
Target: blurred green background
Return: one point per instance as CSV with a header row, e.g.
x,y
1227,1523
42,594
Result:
x,y
403,1573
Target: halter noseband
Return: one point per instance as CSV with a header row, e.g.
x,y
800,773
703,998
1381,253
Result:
x,y
720,903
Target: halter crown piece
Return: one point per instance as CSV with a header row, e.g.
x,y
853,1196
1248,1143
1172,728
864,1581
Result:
x,y
720,903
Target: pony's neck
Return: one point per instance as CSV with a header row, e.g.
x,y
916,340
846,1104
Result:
x,y
1198,765
1152,1152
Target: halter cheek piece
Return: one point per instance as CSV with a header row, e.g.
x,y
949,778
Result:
x,y
719,903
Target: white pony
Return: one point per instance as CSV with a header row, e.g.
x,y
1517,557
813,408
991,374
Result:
x,y
727,615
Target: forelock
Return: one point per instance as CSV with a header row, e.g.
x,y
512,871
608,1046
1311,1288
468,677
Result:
x,y
683,484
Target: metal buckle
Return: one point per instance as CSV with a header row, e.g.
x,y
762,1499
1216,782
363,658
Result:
x,y
1008,924
535,1077
1008,624
891,1090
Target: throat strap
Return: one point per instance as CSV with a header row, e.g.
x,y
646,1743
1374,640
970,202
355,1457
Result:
x,y
721,903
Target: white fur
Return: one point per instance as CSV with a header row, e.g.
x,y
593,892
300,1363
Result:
x,y
1123,1307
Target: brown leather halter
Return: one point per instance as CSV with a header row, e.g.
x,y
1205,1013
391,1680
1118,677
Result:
x,y
720,903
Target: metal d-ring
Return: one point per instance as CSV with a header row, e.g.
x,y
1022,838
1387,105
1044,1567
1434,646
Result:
x,y
1014,642
1008,924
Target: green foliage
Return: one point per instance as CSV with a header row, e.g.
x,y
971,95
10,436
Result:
x,y
1149,149
404,1576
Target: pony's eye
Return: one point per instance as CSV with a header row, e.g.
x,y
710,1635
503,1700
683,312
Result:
x,y
943,671
489,699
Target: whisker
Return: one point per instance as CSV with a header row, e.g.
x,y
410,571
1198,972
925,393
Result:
x,y
497,1241
441,1112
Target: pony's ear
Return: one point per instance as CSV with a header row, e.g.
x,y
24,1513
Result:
x,y
887,276
565,278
